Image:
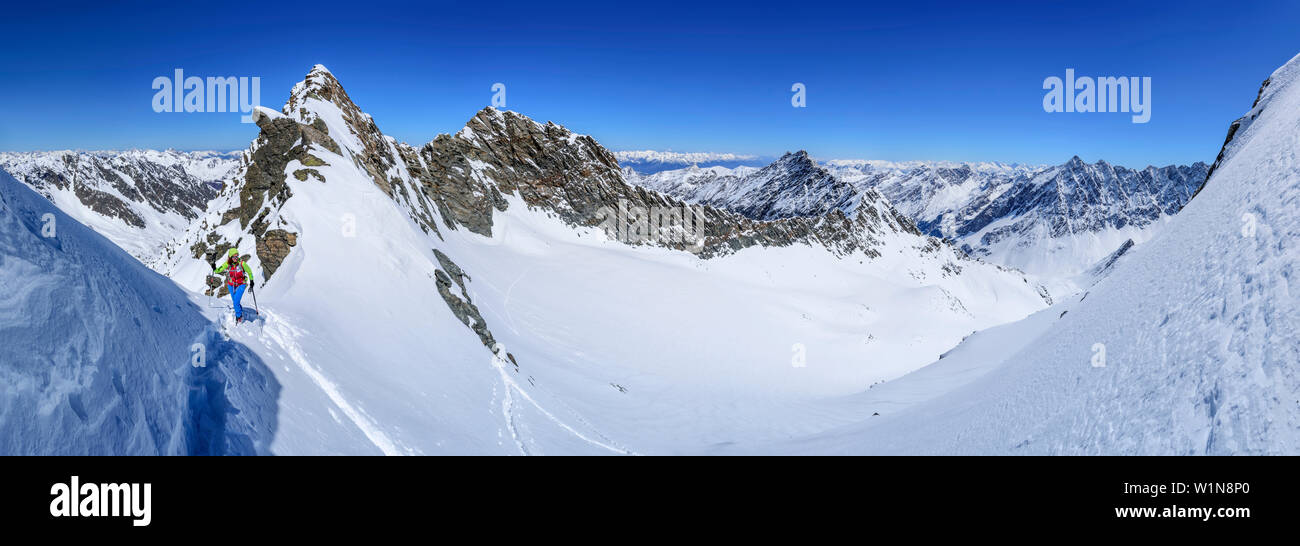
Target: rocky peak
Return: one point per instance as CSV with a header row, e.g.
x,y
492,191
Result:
x,y
795,161
793,185
319,84
301,135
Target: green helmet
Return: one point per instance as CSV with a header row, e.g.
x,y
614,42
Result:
x,y
234,252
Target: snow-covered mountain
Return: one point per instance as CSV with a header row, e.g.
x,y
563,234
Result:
x,y
1190,346
1051,221
101,355
653,161
139,199
1054,221
792,186
485,293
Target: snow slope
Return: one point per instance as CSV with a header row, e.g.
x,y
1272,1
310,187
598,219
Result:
x,y
1198,331
97,351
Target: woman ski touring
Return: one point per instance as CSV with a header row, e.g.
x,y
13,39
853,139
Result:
x,y
238,277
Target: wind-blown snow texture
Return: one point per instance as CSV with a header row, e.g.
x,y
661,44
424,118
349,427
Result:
x,y
96,350
1200,329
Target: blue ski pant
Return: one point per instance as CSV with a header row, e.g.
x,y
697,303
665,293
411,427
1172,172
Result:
x,y
236,294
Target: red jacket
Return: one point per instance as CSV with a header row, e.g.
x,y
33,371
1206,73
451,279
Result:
x,y
238,271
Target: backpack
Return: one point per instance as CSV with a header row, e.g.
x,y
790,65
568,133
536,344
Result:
x,y
236,274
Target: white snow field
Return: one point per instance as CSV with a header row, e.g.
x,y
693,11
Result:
x,y
97,352
1198,331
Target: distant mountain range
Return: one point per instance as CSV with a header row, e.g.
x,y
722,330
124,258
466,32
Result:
x,y
651,161
140,199
1055,221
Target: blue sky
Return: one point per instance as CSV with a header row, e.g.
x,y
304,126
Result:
x,y
897,80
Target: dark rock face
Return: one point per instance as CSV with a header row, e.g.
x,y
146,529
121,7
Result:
x,y
461,305
273,247
264,189
105,204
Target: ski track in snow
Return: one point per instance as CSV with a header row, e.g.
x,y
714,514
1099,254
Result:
x,y
508,413
507,402
507,409
510,319
285,335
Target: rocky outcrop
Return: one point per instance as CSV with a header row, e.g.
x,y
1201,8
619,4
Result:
x,y
450,281
273,247
105,204
263,188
